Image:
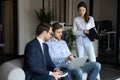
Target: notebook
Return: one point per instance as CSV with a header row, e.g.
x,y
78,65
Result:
x,y
93,34
77,62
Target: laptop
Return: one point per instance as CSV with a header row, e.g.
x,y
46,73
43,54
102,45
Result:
x,y
77,62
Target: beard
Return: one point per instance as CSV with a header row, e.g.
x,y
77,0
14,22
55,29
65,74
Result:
x,y
57,37
46,39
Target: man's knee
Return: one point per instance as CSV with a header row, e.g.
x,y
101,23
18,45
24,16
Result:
x,y
97,66
78,72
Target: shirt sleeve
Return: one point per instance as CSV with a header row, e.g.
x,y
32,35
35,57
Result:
x,y
92,22
65,64
50,72
76,31
66,54
67,49
58,60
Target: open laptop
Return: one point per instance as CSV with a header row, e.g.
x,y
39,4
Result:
x,y
77,62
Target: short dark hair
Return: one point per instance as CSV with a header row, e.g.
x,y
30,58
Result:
x,y
56,26
42,27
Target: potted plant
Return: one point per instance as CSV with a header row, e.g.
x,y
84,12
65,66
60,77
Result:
x,y
44,16
70,39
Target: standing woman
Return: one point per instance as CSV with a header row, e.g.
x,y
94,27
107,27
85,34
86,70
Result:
x,y
82,24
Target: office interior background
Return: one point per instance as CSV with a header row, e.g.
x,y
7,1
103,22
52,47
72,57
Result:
x,y
18,22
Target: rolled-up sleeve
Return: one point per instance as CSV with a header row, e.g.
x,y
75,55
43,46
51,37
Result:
x,y
58,52
92,22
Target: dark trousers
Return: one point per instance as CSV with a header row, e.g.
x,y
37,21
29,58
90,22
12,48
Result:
x,y
43,77
49,77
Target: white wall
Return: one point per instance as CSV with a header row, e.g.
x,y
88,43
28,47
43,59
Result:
x,y
27,22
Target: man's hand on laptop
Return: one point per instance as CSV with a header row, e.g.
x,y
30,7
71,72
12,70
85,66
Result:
x,y
69,58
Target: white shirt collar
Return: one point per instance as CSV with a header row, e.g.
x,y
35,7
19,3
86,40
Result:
x,y
40,41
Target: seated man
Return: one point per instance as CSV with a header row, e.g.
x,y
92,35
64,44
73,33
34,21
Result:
x,y
61,56
37,62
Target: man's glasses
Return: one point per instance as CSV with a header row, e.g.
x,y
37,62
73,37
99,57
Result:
x,y
51,33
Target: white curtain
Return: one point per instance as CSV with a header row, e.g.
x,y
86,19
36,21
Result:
x,y
57,6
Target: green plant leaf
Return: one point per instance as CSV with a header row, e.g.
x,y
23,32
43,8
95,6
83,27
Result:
x,y
44,16
70,39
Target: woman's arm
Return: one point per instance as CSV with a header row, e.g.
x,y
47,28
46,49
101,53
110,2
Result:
x,y
76,31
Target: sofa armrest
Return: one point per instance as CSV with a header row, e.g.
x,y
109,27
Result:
x,y
9,71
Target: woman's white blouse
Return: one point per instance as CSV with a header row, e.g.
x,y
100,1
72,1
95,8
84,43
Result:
x,y
79,25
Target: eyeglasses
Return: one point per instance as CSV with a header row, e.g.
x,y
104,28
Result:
x,y
51,33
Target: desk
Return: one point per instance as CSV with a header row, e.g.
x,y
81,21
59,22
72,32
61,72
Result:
x,y
107,47
108,34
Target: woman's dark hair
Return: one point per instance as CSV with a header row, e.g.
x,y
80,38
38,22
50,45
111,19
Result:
x,y
86,16
56,26
42,27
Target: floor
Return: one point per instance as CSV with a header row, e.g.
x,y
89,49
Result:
x,y
108,71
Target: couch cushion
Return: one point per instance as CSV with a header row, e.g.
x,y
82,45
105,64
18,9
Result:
x,y
12,70
16,74
17,62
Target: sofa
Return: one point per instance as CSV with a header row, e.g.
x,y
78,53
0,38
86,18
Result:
x,y
13,70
